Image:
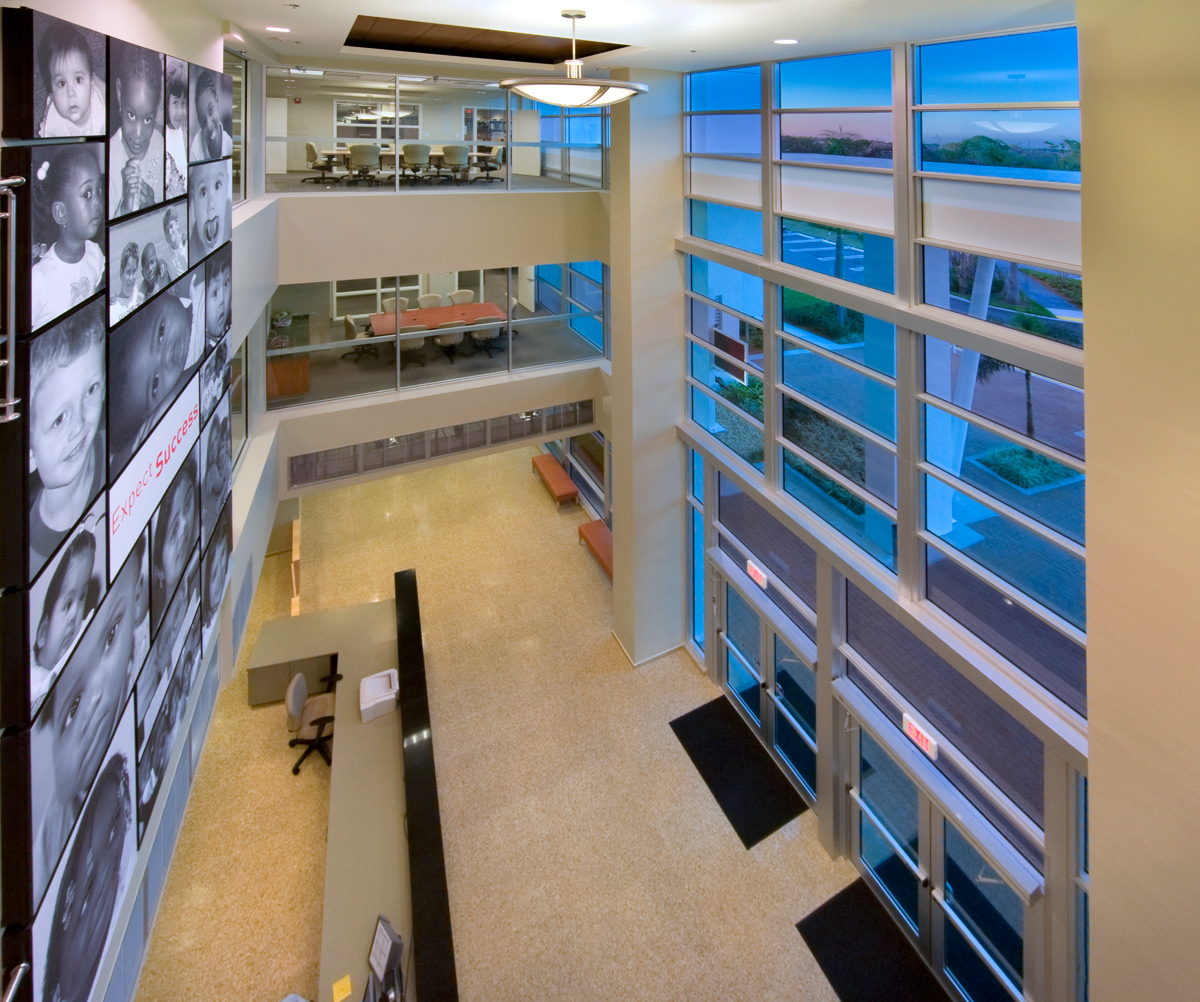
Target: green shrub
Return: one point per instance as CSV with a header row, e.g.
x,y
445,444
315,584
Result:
x,y
748,396
837,324
1024,467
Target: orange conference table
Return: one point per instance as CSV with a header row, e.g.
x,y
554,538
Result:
x,y
383,324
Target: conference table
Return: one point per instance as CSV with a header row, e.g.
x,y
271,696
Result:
x,y
383,324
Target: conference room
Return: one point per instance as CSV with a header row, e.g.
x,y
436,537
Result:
x,y
331,131
327,340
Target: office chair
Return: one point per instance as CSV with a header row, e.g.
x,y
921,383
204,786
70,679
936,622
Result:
x,y
486,162
353,333
311,720
455,159
460,297
364,162
449,341
390,303
416,161
410,346
429,300
315,162
487,338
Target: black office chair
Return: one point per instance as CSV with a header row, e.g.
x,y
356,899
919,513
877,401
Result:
x,y
311,720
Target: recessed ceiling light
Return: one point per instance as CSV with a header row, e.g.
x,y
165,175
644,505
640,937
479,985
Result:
x,y
283,31
787,41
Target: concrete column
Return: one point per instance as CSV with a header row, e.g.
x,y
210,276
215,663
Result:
x,y
646,318
1140,85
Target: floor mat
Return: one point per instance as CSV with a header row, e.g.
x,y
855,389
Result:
x,y
737,770
863,954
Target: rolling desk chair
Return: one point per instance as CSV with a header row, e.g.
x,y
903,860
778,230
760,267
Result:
x,y
311,720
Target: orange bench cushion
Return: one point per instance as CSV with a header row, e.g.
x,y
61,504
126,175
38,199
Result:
x,y
558,482
598,538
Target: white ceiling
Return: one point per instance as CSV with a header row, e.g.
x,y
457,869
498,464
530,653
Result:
x,y
665,34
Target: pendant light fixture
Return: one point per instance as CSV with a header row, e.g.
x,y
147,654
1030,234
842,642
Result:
x,y
574,90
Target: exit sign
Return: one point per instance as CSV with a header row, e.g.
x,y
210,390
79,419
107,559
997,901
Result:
x,y
926,742
757,574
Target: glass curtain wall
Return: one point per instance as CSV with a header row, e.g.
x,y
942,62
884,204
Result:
x,y
884,322
330,130
235,66
349,337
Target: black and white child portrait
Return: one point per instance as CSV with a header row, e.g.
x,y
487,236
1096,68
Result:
x,y
218,311
168,643
174,534
63,599
72,931
210,207
80,714
176,119
136,149
215,572
68,219
216,464
66,428
214,378
69,79
211,109
151,358
146,254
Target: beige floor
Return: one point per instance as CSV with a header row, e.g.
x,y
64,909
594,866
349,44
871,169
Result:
x,y
585,857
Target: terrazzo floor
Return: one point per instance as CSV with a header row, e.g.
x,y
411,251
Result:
x,y
585,857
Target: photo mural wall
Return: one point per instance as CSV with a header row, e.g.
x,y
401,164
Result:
x,y
115,518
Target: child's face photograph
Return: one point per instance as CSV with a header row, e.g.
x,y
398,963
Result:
x,y
64,613
150,265
160,356
139,114
208,110
65,411
129,275
219,298
177,110
78,212
209,203
71,85
180,526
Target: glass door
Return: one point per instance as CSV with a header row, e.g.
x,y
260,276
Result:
x,y
968,914
772,683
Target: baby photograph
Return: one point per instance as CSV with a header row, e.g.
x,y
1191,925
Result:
x,y
145,255
164,730
63,599
215,572
175,122
67,252
216,466
218,310
214,378
137,165
152,355
75,924
211,115
66,429
68,740
210,207
69,79
174,533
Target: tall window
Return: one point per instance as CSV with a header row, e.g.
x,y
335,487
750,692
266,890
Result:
x,y
235,66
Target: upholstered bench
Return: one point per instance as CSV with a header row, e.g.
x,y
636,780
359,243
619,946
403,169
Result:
x,y
598,538
558,482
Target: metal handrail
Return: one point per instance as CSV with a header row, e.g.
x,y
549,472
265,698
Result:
x,y
8,403
14,981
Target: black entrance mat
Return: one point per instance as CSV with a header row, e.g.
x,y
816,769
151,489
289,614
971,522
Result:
x,y
863,954
746,783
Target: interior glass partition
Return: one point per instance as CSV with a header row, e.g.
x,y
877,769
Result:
x,y
329,340
235,66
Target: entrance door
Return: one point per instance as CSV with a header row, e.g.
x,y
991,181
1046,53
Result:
x,y
968,914
771,682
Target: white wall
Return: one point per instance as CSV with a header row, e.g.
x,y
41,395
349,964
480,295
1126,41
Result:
x,y
1141,242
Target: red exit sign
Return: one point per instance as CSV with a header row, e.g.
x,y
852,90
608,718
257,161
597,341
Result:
x,y
757,574
919,737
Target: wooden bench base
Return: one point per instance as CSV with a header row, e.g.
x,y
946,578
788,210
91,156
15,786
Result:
x,y
598,538
557,481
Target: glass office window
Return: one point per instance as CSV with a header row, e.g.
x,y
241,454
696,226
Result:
x,y
1053,660
239,418
696,574
736,89
1045,302
235,66
858,138
727,286
858,198
864,400
1027,67
1035,145
1041,408
728,425
999,746
795,709
863,258
732,335
741,388
857,80
859,460
725,135
727,180
589,269
847,333
726,224
696,483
